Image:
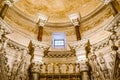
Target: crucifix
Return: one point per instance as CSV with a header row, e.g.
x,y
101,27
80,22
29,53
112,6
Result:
x,y
42,19
75,19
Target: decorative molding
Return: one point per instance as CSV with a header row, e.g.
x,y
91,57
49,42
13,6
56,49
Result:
x,y
4,27
16,46
59,54
78,44
114,24
40,45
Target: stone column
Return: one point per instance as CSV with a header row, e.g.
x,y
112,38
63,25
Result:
x,y
41,20
37,59
6,6
75,19
81,53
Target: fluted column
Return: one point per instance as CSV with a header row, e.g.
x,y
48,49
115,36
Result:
x,y
37,59
6,6
81,53
41,21
75,19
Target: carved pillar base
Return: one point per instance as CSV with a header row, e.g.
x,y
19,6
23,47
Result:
x,y
35,76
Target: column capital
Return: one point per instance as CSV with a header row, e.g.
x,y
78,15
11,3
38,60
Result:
x,y
41,20
79,44
40,45
39,49
84,65
10,2
75,19
35,67
80,48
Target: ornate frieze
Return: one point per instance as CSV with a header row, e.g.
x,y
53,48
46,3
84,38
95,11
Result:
x,y
16,46
114,24
101,44
60,68
4,27
59,54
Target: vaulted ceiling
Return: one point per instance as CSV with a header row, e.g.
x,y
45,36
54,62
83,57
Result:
x,y
57,10
94,15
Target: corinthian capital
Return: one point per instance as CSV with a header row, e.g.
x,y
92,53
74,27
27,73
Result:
x,y
41,19
39,49
80,48
84,65
35,67
75,19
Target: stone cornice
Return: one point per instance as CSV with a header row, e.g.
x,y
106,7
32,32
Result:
x,y
5,27
114,24
104,43
16,46
37,45
101,44
78,44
